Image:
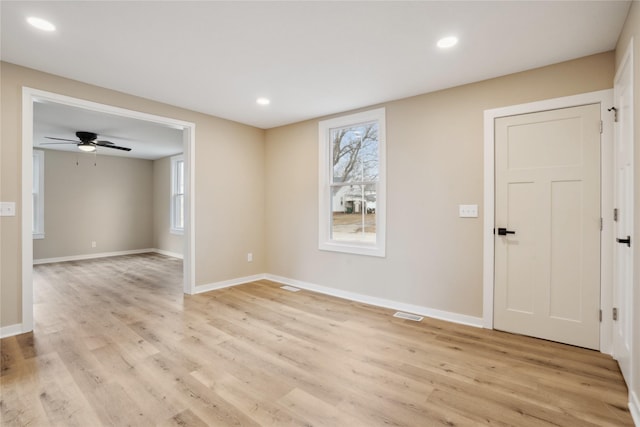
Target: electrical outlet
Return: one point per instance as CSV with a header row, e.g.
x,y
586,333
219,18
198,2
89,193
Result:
x,y
7,208
94,244
249,257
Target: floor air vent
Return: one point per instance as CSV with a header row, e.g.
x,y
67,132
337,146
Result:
x,y
408,316
289,288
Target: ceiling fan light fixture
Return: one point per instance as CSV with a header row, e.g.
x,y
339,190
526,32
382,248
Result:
x,y
88,142
87,147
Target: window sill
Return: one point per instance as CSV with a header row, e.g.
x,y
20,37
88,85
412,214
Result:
x,y
38,236
176,231
353,248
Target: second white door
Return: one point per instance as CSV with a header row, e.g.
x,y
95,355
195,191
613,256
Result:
x,y
623,255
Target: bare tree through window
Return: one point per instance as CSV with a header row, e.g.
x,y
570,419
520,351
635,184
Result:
x,y
355,156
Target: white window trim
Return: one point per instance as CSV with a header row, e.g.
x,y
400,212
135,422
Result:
x,y
324,227
38,208
172,218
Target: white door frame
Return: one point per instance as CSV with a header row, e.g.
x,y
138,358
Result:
x,y
605,99
29,97
627,64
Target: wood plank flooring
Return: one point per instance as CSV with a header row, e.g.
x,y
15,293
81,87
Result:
x,y
116,343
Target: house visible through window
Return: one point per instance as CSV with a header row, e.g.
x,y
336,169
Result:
x,y
177,194
38,195
352,183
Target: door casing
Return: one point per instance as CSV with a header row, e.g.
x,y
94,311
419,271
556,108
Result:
x,y
605,99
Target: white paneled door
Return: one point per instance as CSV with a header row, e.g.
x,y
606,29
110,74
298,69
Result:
x,y
547,219
623,200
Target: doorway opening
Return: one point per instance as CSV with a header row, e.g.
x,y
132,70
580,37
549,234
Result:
x,y
29,98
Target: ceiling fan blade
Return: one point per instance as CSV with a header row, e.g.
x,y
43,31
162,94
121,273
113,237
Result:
x,y
116,147
62,139
105,144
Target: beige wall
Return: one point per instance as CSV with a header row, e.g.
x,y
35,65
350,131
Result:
x,y
632,29
229,175
103,199
163,239
434,163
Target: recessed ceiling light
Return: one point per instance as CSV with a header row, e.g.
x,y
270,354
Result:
x,y
447,42
263,101
41,24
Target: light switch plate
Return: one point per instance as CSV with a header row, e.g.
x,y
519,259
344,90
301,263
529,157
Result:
x,y
7,208
468,211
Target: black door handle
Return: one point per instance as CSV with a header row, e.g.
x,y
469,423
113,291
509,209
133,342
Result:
x,y
504,232
626,241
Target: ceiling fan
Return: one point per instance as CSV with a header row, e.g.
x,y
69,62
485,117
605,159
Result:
x,y
88,141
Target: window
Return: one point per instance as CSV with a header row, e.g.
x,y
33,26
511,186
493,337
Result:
x,y
37,192
352,183
177,194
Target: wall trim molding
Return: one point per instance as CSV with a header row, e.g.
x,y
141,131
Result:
x,y
167,253
11,330
448,316
380,302
228,283
91,256
634,407
106,255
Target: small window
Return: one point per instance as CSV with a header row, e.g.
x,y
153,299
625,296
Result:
x,y
38,194
352,183
177,194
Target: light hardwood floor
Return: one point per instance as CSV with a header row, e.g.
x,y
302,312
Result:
x,y
116,343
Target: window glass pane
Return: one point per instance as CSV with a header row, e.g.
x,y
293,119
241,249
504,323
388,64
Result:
x,y
177,194
36,174
37,193
34,220
180,177
352,183
179,211
354,153
353,213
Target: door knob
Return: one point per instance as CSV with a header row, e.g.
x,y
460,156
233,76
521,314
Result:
x,y
504,232
626,241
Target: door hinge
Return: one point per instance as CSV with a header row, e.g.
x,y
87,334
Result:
x,y
615,313
601,315
600,126
615,214
601,224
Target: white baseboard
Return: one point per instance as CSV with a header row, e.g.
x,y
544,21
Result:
x,y
381,302
11,330
91,256
352,296
168,253
228,283
105,255
634,407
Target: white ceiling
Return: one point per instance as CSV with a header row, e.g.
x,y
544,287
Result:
x,y
147,140
310,58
